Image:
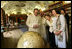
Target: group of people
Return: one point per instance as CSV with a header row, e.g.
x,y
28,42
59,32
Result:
x,y
57,33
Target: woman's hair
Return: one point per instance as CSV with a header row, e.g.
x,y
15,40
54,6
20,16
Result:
x,y
47,15
57,11
63,10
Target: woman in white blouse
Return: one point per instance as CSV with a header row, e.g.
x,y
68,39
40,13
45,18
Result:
x,y
51,36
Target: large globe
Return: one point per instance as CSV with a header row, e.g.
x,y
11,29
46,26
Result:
x,y
31,40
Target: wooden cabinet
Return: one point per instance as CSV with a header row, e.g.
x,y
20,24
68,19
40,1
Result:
x,y
58,6
20,18
3,17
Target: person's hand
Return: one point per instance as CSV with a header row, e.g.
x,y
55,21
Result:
x,y
35,26
57,33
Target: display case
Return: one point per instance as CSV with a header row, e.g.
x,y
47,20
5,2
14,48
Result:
x,y
19,18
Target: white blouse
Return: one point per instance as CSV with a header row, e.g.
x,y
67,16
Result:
x,y
50,24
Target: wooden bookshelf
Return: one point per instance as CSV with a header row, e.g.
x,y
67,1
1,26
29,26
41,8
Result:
x,y
15,17
55,5
58,8
3,17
